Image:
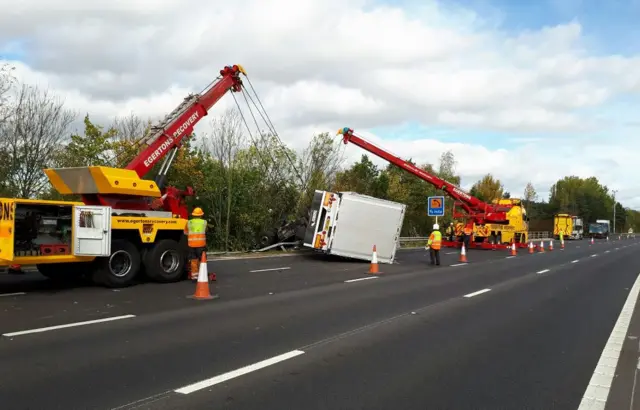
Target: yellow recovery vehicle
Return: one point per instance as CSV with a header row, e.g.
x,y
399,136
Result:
x,y
570,225
516,230
124,224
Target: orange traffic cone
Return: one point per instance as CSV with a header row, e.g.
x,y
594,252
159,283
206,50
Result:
x,y
530,246
541,246
551,245
514,252
463,254
373,269
202,287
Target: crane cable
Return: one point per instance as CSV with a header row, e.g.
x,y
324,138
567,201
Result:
x,y
259,106
265,117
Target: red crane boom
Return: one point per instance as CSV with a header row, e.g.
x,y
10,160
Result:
x,y
478,211
179,123
124,189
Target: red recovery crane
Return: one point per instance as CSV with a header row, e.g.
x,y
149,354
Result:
x,y
125,188
473,209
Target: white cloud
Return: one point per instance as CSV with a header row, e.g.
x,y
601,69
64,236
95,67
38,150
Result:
x,y
326,64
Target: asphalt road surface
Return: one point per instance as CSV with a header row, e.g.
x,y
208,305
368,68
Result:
x,y
305,332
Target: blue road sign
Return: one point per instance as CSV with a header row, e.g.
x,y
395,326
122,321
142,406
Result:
x,y
435,206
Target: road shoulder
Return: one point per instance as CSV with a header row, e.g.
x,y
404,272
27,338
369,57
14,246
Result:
x,y
626,383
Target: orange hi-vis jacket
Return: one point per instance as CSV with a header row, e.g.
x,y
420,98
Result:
x,y
196,231
467,230
435,240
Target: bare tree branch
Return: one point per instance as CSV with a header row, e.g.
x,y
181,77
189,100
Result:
x,y
7,82
33,132
130,127
223,144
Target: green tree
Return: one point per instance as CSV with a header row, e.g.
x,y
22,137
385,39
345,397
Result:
x,y
93,148
487,189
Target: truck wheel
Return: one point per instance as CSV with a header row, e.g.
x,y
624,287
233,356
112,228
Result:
x,y
165,261
121,268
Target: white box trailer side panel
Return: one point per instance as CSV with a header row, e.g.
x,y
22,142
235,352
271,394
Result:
x,y
364,221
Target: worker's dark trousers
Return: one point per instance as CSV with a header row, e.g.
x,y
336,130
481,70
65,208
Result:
x,y
194,253
435,256
466,240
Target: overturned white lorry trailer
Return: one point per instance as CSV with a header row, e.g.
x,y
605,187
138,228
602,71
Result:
x,y
349,224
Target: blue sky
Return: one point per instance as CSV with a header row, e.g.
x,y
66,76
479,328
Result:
x,y
12,50
611,26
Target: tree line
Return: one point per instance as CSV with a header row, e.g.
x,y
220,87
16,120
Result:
x,y
247,183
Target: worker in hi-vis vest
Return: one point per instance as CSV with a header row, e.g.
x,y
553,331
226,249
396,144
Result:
x,y
451,232
434,244
466,237
561,235
196,231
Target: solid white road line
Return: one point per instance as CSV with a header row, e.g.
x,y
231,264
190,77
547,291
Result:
x,y
359,279
542,271
237,373
458,264
12,294
450,253
597,392
270,269
576,261
470,295
46,329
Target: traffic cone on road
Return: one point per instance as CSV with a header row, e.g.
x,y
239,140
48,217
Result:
x,y
562,244
373,269
514,252
202,287
463,255
531,247
541,246
591,241
551,245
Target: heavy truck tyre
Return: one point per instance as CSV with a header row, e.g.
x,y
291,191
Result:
x,y
121,268
165,261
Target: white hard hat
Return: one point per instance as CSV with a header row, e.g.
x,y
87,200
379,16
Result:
x,y
436,226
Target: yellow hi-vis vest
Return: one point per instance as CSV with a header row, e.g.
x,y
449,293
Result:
x,y
435,240
196,233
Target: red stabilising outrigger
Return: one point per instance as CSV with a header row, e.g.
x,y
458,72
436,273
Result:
x,y
467,207
164,141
